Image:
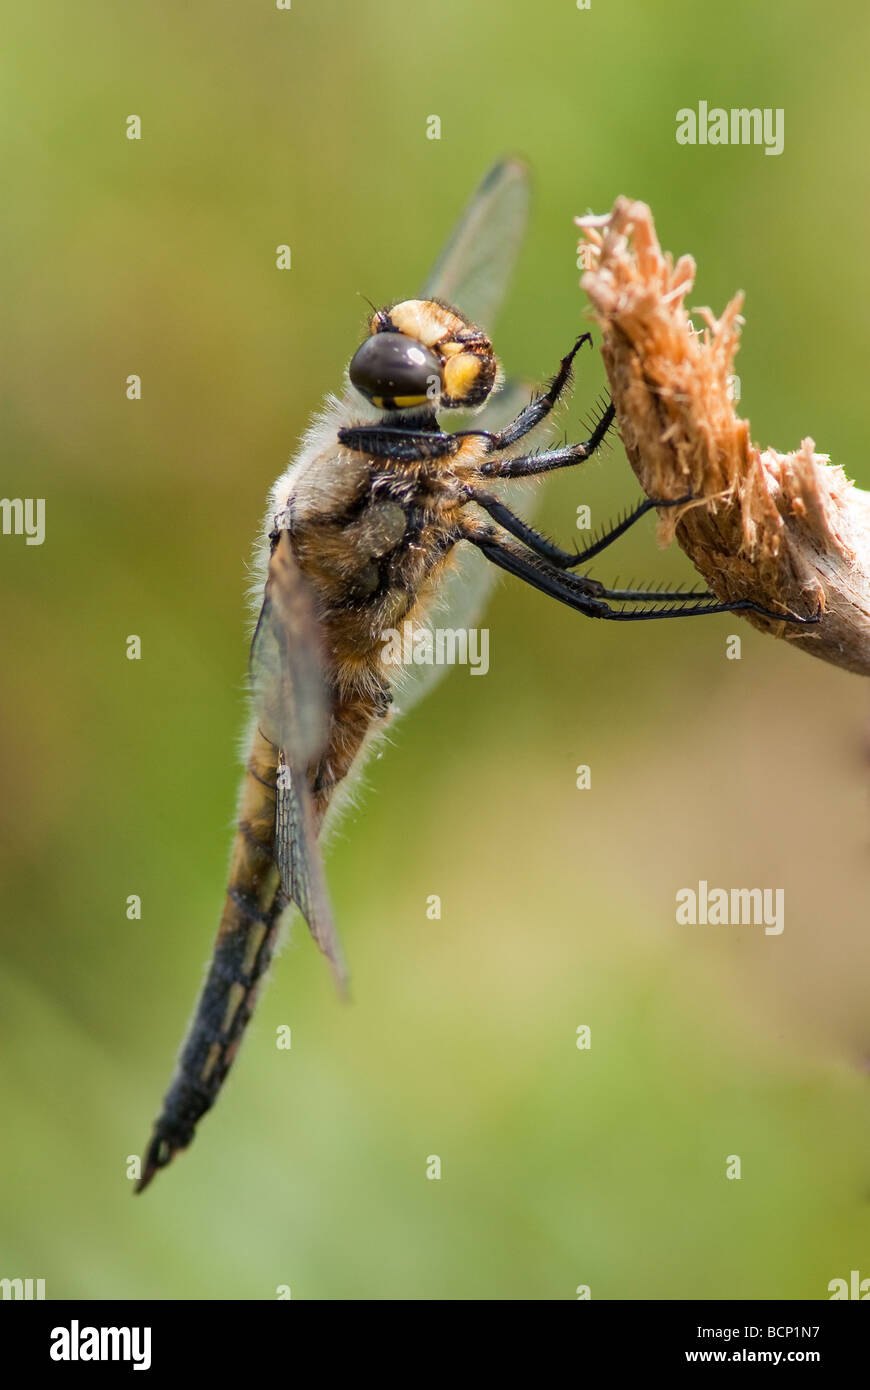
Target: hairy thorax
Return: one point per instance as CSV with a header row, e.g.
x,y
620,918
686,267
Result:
x,y
372,538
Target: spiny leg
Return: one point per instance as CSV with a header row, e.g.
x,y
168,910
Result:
x,y
403,445
658,595
546,460
700,610
536,410
565,559
408,445
590,597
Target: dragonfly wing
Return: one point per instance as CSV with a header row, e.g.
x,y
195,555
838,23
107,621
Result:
x,y
475,266
300,863
477,262
473,273
287,665
292,702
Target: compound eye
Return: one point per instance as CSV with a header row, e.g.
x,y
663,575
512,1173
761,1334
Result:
x,y
394,371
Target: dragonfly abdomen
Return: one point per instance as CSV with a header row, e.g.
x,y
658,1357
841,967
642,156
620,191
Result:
x,y
243,950
249,927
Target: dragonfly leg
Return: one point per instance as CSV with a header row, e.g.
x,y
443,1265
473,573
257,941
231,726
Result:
x,y
565,559
537,410
545,460
403,445
593,599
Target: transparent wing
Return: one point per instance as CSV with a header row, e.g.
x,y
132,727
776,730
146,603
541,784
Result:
x,y
474,268
292,704
477,262
473,273
300,863
290,692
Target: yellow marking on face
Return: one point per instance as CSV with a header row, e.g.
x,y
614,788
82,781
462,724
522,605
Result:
x,y
460,375
399,402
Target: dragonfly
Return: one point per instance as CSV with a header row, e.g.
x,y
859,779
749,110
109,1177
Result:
x,y
382,516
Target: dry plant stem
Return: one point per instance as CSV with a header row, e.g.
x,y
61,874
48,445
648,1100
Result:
x,y
788,531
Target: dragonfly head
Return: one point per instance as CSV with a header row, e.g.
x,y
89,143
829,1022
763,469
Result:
x,y
421,352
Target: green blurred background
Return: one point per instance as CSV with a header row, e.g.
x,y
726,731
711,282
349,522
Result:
x,y
560,1167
